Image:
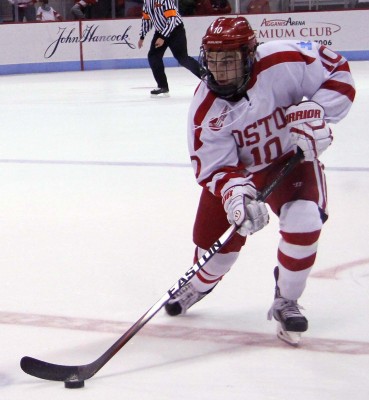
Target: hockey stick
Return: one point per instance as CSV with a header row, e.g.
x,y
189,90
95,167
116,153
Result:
x,y
79,373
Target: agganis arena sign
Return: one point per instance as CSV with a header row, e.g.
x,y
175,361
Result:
x,y
292,28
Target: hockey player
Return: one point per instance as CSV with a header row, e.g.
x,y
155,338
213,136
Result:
x,y
255,106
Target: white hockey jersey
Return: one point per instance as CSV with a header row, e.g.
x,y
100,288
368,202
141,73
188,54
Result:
x,y
225,138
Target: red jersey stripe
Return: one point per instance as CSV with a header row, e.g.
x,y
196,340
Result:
x,y
275,59
340,87
199,118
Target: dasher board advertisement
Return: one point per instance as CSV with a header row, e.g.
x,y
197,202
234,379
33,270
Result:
x,y
107,44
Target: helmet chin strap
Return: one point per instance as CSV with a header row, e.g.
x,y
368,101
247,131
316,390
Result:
x,y
225,91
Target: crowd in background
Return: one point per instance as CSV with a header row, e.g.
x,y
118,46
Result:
x,y
58,10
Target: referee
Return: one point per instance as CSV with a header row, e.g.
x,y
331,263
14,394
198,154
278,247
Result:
x,y
169,32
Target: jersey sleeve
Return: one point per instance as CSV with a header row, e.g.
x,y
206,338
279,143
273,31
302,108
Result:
x,y
146,23
337,91
307,70
170,15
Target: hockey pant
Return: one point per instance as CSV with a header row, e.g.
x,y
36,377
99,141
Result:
x,y
177,43
300,202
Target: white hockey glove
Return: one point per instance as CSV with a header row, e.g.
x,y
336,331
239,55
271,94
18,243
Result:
x,y
308,128
243,210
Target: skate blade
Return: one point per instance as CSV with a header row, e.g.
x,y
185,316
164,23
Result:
x,y
291,338
161,95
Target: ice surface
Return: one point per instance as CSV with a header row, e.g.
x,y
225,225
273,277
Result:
x,y
96,210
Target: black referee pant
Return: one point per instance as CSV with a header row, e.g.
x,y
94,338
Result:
x,y
177,42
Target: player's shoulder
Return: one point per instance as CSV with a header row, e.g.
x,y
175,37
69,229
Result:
x,y
206,97
206,102
201,92
283,46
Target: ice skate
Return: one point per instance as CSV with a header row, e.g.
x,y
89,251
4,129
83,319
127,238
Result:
x,y
160,92
291,323
184,299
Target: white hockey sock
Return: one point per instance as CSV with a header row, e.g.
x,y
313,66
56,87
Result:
x,y
213,271
300,226
292,283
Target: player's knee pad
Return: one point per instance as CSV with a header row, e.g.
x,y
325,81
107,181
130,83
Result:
x,y
300,216
301,225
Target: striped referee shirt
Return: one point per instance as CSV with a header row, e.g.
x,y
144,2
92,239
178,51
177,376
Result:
x,y
162,14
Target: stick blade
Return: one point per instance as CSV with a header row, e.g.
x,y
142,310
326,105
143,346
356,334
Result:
x,y
51,372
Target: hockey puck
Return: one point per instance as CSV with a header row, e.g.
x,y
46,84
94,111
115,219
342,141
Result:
x,y
74,384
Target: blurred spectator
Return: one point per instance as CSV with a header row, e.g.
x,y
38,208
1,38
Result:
x,y
100,9
82,9
119,8
258,7
46,13
210,7
23,9
187,7
133,8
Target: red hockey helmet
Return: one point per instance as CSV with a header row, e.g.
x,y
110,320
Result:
x,y
227,35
